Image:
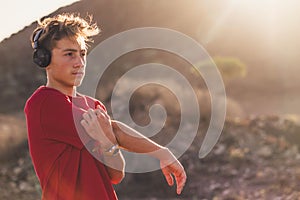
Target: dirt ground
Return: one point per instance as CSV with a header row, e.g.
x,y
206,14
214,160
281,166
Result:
x,y
255,158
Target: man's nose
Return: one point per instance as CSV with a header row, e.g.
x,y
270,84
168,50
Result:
x,y
80,62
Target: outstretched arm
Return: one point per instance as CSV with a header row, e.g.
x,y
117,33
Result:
x,y
133,141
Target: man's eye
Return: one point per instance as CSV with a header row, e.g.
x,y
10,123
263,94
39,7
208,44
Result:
x,y
69,54
83,54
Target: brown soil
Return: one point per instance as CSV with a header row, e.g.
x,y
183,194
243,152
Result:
x,y
255,158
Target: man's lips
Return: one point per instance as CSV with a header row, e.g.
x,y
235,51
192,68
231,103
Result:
x,y
78,73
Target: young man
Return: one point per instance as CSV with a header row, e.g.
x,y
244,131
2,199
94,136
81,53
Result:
x,y
68,132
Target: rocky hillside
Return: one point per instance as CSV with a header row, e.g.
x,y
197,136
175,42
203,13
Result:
x,y
239,35
255,158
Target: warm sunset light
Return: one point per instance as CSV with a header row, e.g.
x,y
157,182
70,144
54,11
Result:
x,y
271,17
203,91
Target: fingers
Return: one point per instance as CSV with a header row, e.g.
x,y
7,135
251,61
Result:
x,y
180,180
168,176
92,115
102,115
89,116
84,124
89,121
98,125
100,110
175,169
86,117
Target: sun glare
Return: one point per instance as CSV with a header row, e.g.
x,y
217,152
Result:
x,y
268,17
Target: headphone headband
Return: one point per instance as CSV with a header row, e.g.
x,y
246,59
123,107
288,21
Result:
x,y
37,37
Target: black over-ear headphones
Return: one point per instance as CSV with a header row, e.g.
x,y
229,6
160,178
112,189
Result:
x,y
41,56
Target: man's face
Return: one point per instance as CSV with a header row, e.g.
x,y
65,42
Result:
x,y
68,63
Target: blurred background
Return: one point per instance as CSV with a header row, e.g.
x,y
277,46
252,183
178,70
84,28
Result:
x,y
254,44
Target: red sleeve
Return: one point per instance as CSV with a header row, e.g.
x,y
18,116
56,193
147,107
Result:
x,y
60,121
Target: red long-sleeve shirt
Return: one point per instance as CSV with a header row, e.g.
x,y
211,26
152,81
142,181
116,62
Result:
x,y
57,145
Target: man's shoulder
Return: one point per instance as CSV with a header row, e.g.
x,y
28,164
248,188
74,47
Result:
x,y
41,94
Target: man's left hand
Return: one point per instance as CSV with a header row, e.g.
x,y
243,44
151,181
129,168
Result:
x,y
174,169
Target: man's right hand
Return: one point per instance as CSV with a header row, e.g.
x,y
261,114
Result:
x,y
97,124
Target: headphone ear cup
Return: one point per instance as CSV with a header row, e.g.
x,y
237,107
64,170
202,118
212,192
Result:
x,y
41,57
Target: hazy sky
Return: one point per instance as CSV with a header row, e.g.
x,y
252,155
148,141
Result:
x,y
16,14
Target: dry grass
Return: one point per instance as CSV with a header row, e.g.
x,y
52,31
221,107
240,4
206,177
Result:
x,y
12,134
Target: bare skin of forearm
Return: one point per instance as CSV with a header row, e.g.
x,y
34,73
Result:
x,y
109,132
133,141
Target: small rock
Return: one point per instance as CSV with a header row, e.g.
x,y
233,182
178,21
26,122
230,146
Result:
x,y
220,149
24,186
291,152
265,152
12,184
17,170
3,171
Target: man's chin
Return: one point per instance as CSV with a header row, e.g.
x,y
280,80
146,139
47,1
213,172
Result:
x,y
77,82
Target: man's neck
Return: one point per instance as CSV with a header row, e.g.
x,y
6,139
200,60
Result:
x,y
69,91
